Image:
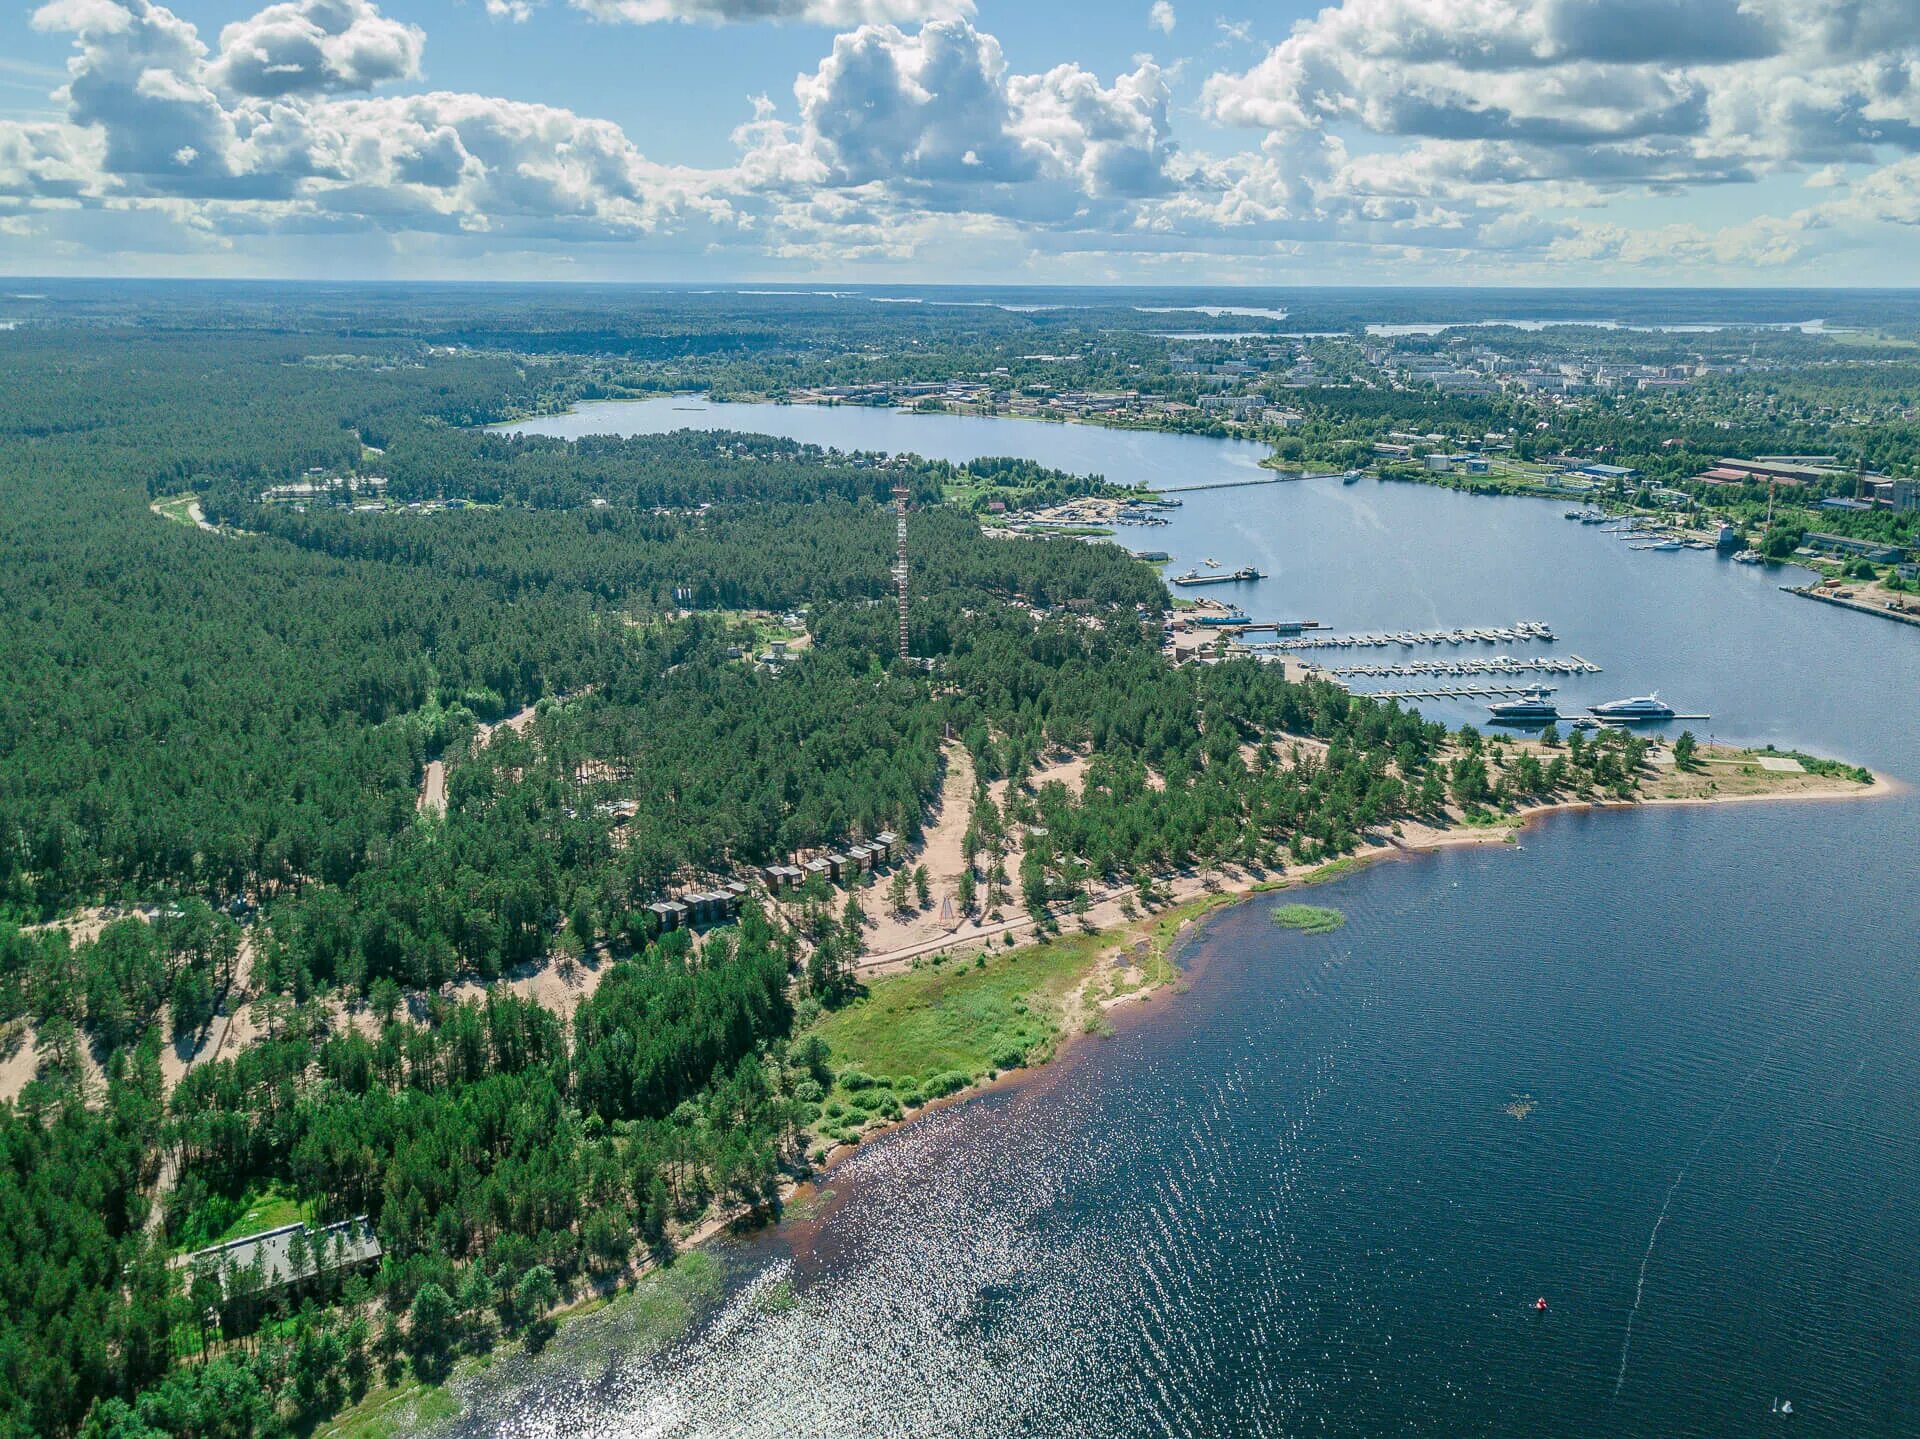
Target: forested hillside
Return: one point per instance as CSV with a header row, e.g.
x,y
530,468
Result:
x,y
222,728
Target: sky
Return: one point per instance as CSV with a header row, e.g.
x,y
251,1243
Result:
x,y
1565,142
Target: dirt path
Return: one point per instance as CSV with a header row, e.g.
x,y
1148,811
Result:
x,y
517,723
232,1030
433,788
433,783
940,851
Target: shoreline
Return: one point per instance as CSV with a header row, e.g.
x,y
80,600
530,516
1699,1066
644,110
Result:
x,y
807,1199
1091,421
1503,830
1497,831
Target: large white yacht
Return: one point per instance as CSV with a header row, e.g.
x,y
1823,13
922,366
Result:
x,y
1645,707
1535,704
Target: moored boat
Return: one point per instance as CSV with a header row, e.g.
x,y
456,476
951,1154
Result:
x,y
1641,707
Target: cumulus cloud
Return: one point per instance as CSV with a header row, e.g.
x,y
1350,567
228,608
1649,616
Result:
x,y
260,135
308,46
837,13
935,119
1392,133
138,74
1764,81
47,161
1161,17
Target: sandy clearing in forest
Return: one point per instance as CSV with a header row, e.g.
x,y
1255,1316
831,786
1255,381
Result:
x,y
942,852
559,983
83,926
941,846
231,1030
433,788
19,1068
21,1062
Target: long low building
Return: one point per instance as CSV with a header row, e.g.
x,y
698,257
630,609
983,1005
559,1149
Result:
x,y
270,1261
1876,550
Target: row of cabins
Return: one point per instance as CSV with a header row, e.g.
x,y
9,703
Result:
x,y
700,908
842,868
718,906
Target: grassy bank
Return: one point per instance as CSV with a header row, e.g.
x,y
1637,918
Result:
x,y
946,1025
953,1022
633,1324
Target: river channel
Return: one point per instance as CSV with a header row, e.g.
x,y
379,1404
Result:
x,y
1659,1068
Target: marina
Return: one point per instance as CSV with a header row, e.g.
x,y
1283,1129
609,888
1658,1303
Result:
x,y
1455,692
1499,665
1520,631
1775,1032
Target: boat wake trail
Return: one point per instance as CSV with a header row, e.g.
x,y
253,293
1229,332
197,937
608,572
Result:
x,y
1640,1284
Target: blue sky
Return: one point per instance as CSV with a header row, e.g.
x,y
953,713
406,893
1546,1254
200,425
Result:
x,y
1367,141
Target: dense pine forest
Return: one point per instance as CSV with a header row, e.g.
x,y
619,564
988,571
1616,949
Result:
x,y
221,729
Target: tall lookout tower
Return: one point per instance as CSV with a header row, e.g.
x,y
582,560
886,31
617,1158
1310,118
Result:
x,y
900,561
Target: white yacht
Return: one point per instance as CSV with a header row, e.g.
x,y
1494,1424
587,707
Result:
x,y
1536,704
1645,707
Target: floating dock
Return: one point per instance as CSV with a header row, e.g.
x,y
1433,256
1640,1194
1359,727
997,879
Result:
x,y
1453,692
1550,665
1520,632
1224,577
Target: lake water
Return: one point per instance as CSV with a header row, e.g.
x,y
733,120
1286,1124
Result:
x,y
1292,1200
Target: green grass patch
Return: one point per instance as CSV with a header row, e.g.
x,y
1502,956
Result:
x,y
1337,868
218,1218
1827,768
1308,918
178,508
928,1025
777,1298
391,1413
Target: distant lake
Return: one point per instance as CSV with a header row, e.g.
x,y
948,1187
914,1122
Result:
x,y
1249,312
1297,1199
1805,327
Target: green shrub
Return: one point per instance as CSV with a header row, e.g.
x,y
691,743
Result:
x,y
1011,1057
951,1082
854,1080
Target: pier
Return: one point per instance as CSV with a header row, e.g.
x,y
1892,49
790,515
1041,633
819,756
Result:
x,y
1220,485
1520,632
1814,592
1452,692
1551,665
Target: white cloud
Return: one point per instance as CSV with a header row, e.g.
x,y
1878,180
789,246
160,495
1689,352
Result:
x,y
1161,16
1730,81
1399,138
257,137
314,45
933,119
837,13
